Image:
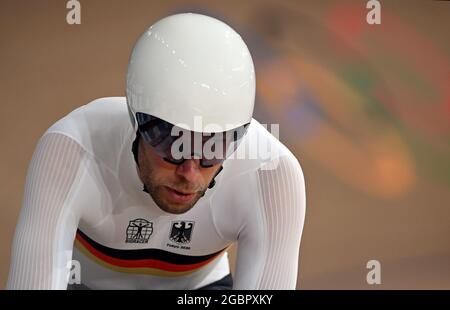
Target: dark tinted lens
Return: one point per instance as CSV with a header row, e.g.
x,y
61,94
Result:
x,y
214,148
153,129
206,163
174,161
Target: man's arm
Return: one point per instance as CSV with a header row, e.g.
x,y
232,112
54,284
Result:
x,y
43,240
269,241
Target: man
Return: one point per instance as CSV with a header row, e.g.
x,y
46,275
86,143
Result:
x,y
147,208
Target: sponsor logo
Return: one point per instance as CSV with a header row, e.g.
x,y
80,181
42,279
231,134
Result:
x,y
139,231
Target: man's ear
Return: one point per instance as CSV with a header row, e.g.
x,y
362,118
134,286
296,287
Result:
x,y
213,181
135,148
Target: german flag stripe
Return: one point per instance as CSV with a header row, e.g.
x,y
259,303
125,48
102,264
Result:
x,y
152,260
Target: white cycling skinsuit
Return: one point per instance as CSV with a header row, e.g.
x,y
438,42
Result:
x,y
85,201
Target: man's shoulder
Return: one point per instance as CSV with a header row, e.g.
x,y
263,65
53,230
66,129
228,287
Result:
x,y
264,139
100,128
101,120
259,148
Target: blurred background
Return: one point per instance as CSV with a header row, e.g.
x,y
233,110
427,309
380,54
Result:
x,y
365,108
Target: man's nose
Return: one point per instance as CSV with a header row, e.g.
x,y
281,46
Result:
x,y
189,169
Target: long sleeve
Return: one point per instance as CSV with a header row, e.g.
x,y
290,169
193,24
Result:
x,y
269,241
43,240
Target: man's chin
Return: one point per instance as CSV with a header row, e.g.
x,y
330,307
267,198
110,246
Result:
x,y
166,201
175,208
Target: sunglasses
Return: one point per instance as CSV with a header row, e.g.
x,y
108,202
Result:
x,y
176,145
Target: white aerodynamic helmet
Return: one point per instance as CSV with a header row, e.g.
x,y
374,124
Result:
x,y
191,65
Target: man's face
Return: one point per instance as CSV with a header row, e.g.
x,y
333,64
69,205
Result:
x,y
174,188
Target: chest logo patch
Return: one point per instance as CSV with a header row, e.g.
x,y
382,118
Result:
x,y
139,231
181,232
